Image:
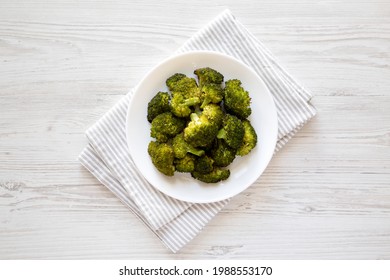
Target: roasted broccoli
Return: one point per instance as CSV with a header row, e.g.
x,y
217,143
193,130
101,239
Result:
x,y
162,156
215,176
208,75
181,147
236,99
204,164
250,139
185,94
158,104
181,83
185,164
222,153
166,126
172,81
200,131
211,93
181,105
214,113
232,131
200,126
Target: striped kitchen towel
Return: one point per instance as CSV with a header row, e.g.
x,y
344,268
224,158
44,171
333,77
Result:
x,y
176,222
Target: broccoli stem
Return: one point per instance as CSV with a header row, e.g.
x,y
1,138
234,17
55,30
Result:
x,y
196,152
197,109
206,101
191,101
194,117
221,134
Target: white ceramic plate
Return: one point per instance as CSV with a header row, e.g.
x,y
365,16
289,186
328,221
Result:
x,y
244,170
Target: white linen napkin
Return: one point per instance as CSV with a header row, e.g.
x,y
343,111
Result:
x,y
176,222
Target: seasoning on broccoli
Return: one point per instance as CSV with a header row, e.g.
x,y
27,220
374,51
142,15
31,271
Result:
x,y
208,75
158,104
250,139
204,164
215,176
162,156
236,99
222,154
166,126
200,131
185,164
232,131
181,147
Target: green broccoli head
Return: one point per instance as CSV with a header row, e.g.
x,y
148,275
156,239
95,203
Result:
x,y
214,113
204,164
215,176
185,164
211,93
158,105
166,126
232,131
222,154
200,131
249,141
162,156
181,106
185,85
236,99
181,147
208,75
172,81
185,94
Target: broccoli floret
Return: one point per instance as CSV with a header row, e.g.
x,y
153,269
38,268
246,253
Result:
x,y
185,94
185,164
181,105
222,154
211,93
204,164
181,147
186,85
214,176
232,131
236,99
166,126
200,131
172,81
162,156
214,113
208,75
158,105
249,140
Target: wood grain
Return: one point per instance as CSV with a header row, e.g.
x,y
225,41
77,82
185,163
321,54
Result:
x,y
326,195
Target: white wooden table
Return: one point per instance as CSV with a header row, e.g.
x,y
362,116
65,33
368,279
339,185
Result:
x,y
326,195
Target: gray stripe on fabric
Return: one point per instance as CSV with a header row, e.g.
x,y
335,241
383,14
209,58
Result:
x,y
144,192
267,73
